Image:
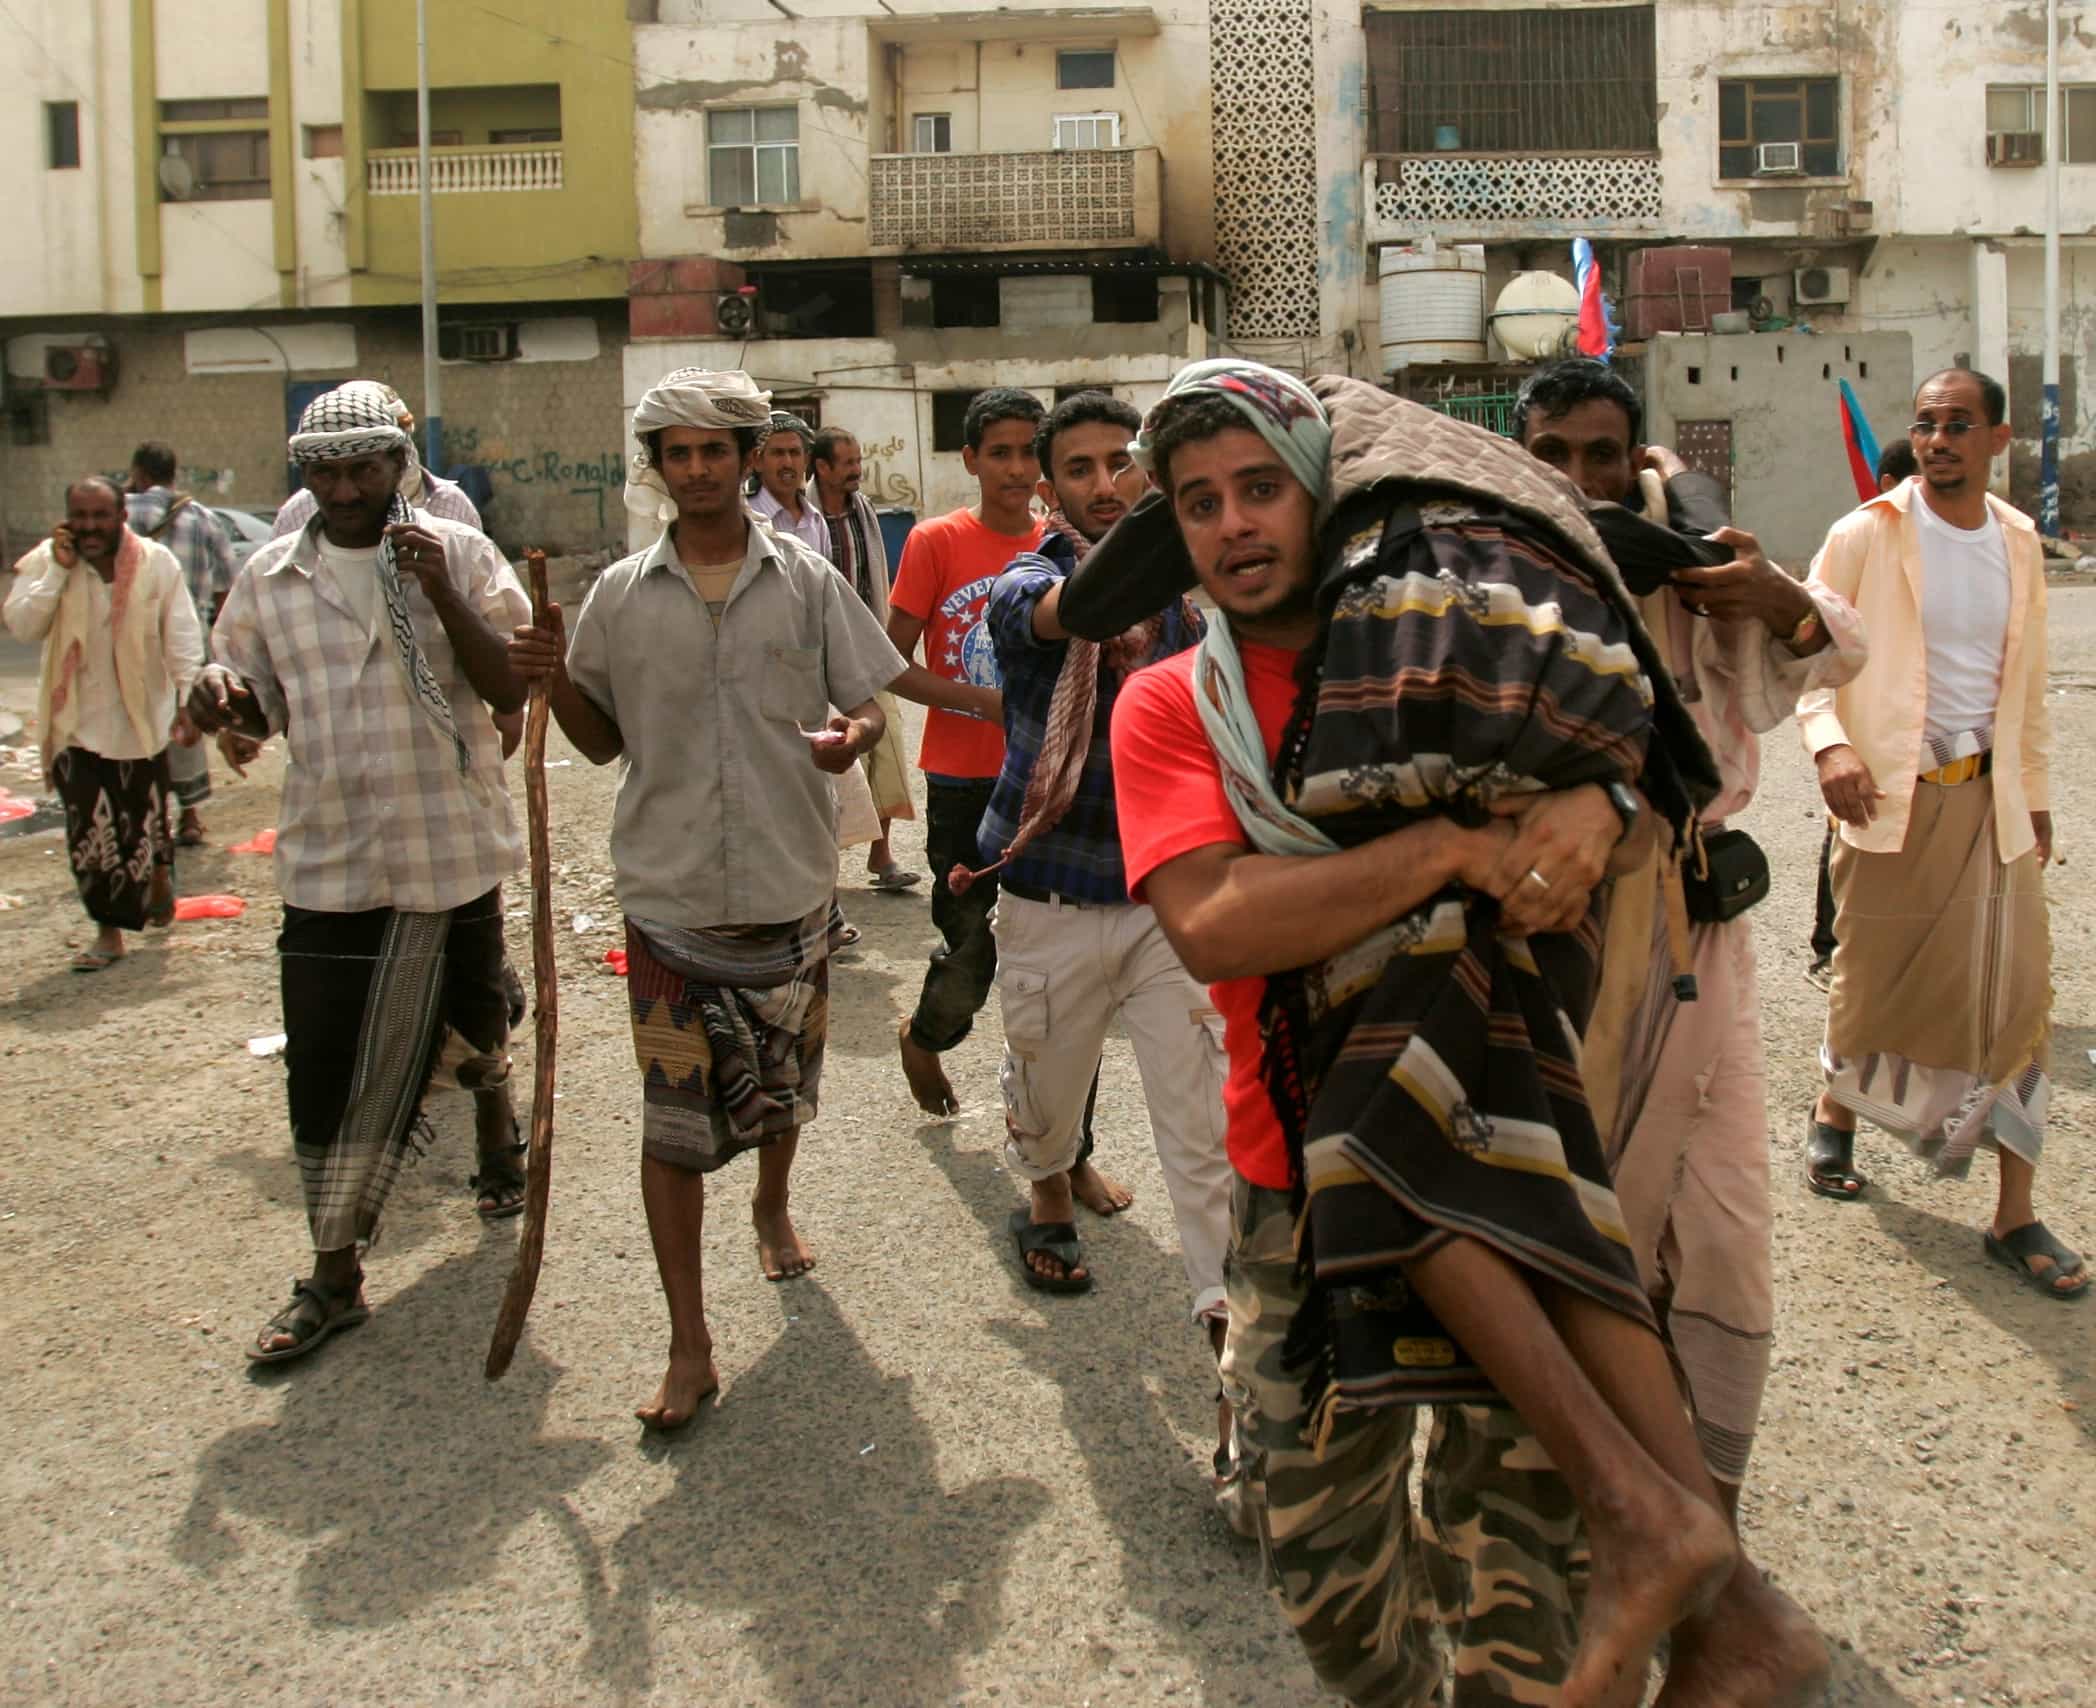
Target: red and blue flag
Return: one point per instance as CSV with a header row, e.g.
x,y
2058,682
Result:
x,y
1861,443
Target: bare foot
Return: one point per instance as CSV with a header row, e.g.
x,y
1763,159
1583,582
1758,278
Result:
x,y
1656,1564
1099,1193
685,1385
928,1081
779,1248
1755,1649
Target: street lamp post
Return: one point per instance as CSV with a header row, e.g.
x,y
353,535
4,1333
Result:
x,y
2055,146
432,394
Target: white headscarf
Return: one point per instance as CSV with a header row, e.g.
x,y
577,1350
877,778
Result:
x,y
690,397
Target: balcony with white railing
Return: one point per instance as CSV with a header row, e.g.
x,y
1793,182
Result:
x,y
494,167
1051,198
1477,197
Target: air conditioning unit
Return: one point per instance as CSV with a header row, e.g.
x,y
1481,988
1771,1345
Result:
x,y
1779,160
1819,285
478,341
79,367
2015,147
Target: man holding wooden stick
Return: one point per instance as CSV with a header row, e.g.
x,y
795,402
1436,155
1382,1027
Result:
x,y
711,662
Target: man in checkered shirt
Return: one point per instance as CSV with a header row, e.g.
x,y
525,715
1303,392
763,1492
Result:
x,y
374,641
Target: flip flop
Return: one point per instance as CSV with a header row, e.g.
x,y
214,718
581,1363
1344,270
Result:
x,y
189,839
94,960
895,878
1830,1162
2014,1249
845,939
1059,1240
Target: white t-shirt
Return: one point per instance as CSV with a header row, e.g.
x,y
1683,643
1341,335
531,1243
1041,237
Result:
x,y
355,575
1965,618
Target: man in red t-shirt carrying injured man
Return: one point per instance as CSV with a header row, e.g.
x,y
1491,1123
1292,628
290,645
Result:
x,y
1372,808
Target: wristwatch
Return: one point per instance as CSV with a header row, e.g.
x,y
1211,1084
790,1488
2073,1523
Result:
x,y
1625,800
1801,636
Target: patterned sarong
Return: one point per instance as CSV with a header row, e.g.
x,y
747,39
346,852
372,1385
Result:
x,y
729,1027
1430,1075
116,831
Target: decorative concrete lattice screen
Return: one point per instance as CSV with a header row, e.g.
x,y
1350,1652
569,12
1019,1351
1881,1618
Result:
x,y
1262,66
966,201
1477,189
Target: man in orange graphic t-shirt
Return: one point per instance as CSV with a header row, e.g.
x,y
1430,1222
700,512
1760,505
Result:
x,y
940,593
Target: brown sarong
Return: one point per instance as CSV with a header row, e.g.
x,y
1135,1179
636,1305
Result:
x,y
1938,1028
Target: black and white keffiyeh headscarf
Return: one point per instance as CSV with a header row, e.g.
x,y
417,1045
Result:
x,y
356,420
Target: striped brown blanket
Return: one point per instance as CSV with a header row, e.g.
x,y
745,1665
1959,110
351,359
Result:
x,y
1428,1078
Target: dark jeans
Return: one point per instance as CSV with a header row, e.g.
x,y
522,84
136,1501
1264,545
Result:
x,y
1823,911
957,983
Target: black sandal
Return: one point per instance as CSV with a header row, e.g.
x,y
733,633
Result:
x,y
504,1180
1830,1162
310,1318
1058,1240
2015,1249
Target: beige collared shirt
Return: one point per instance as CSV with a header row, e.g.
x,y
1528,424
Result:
x,y
722,817
376,812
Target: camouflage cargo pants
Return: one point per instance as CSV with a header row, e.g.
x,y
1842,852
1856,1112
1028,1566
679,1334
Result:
x,y
1491,1568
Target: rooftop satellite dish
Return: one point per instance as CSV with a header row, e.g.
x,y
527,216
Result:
x,y
177,177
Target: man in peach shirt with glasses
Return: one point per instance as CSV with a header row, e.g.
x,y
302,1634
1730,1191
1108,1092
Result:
x,y
1934,760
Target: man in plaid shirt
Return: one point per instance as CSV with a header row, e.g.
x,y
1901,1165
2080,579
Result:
x,y
374,640
1071,945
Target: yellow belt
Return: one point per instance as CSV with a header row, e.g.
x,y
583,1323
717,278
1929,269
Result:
x,y
1959,770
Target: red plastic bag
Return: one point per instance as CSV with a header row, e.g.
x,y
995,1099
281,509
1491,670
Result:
x,y
14,807
262,842
209,907
615,959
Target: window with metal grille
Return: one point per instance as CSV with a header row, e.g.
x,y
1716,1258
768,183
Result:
x,y
1519,82
1087,130
1756,110
1084,68
753,156
61,135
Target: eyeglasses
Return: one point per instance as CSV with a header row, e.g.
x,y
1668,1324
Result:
x,y
1949,429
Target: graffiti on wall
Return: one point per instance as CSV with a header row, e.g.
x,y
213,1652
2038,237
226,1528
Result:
x,y
575,474
881,480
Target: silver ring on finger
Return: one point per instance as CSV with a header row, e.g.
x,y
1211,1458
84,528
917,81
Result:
x,y
1538,877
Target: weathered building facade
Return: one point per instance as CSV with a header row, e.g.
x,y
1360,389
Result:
x,y
1874,167
215,205
879,209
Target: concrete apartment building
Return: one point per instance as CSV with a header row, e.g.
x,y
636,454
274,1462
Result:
x,y
213,206
879,207
1874,169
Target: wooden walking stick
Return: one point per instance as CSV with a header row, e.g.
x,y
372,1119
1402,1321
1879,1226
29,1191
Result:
x,y
524,1277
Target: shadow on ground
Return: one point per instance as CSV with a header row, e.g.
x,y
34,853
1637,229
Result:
x,y
399,1503
810,1500
1132,1420
2060,1331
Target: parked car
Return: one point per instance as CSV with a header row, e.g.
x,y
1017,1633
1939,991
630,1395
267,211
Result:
x,y
247,529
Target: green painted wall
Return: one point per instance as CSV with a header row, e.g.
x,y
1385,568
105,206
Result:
x,y
520,246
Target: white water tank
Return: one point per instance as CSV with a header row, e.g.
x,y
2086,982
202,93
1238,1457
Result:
x,y
1537,316
1433,304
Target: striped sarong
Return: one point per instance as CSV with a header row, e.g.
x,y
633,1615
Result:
x,y
1430,1075
374,1002
729,1027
